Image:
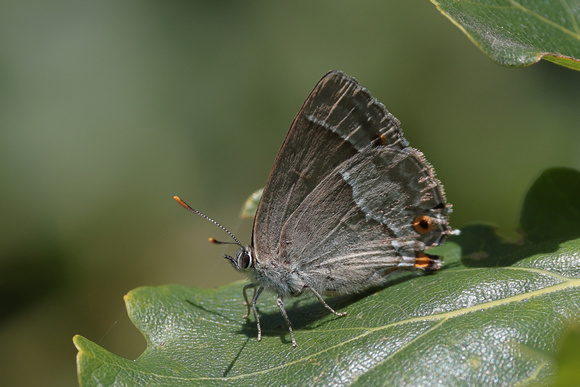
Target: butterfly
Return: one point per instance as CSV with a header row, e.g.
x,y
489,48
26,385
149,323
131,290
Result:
x,y
347,203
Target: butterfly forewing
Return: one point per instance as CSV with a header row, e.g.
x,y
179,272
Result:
x,y
337,120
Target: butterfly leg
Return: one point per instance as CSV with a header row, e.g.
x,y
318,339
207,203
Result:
x,y
324,303
280,303
248,303
254,300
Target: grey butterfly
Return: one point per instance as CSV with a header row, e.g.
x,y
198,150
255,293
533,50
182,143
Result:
x,y
348,202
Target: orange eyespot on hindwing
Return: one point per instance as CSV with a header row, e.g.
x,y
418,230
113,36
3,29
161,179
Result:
x,y
427,262
423,224
422,261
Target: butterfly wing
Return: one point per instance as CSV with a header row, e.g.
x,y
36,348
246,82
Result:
x,y
357,224
337,120
347,200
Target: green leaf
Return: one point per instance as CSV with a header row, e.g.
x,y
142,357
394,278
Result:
x,y
568,358
552,206
495,314
519,33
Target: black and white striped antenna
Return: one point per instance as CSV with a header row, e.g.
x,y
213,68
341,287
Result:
x,y
212,240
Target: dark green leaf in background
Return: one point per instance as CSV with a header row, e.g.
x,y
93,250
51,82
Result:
x,y
552,206
568,358
496,314
520,33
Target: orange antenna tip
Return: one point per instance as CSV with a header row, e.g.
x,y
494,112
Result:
x,y
178,200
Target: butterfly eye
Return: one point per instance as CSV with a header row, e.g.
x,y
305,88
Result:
x,y
423,224
243,259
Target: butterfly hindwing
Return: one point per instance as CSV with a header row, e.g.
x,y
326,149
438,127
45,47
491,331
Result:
x,y
356,225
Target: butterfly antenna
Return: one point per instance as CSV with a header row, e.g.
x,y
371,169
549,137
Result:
x,y
212,240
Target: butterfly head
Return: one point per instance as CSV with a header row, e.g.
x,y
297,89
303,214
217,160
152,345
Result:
x,y
243,260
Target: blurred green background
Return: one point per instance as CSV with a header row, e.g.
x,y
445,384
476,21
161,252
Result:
x,y
108,109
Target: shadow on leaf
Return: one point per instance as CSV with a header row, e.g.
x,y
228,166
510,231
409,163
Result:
x,y
306,313
550,215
